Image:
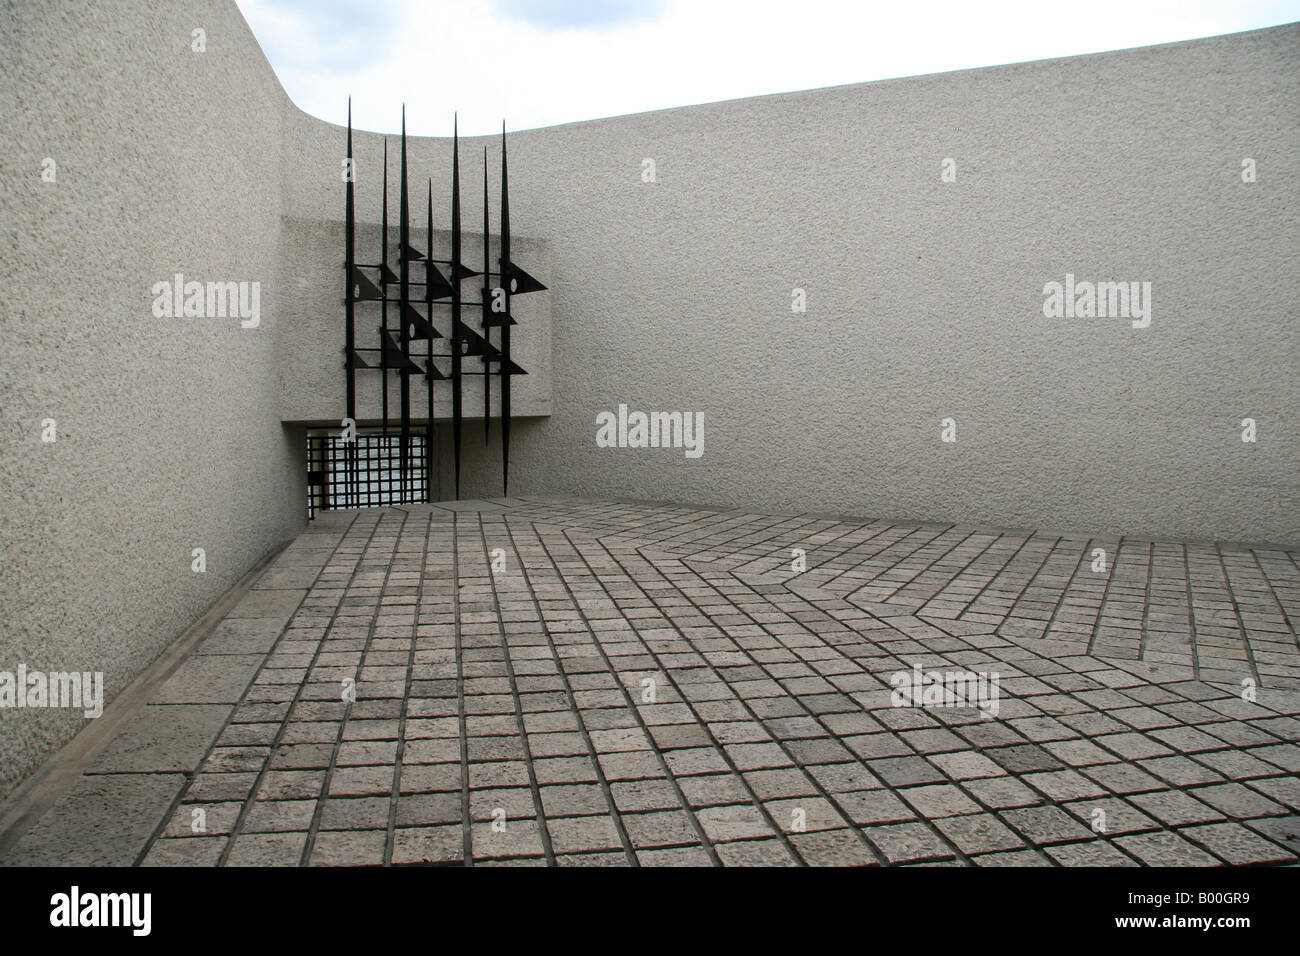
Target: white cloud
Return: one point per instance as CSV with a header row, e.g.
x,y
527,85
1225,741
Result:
x,y
465,55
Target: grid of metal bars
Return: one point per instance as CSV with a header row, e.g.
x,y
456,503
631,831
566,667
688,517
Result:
x,y
365,473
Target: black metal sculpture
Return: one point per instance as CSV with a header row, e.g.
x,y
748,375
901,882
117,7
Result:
x,y
395,347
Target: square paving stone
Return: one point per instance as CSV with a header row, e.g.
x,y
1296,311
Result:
x,y
1236,845
820,751
776,784
1044,825
1282,830
609,858
734,822
277,605
583,834
287,578
756,853
218,787
1180,771
1175,807
635,795
203,819
162,737
1116,816
804,814
675,736
1165,849
279,816
428,845
355,813
674,856
1001,793
712,789
905,771
520,838
1097,853
978,833
869,807
348,848
102,820
241,636
662,828
574,800
267,849
377,781
833,848
1024,758
908,842
938,800
1064,785
966,765
1011,858
428,809
186,851
212,679
1285,790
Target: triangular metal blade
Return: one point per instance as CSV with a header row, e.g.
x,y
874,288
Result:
x,y
520,281
491,353
362,288
409,252
463,271
359,361
393,357
471,343
436,282
496,320
417,326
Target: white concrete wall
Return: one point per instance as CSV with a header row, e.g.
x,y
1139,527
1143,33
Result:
x,y
924,302
925,298
169,437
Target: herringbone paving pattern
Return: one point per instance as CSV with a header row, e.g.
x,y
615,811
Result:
x,y
601,683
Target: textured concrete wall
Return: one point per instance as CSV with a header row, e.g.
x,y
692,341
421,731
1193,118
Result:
x,y
925,297
924,302
168,433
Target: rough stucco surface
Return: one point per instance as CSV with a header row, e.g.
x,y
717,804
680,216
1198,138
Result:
x,y
924,298
924,302
169,436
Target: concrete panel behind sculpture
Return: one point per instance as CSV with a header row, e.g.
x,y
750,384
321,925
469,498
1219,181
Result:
x,y
312,382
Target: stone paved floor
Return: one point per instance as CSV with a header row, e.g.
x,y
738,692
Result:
x,y
653,684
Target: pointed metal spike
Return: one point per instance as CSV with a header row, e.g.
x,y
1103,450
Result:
x,y
506,364
383,268
487,307
404,274
431,372
457,407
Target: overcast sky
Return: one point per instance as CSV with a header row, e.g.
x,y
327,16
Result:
x,y
543,62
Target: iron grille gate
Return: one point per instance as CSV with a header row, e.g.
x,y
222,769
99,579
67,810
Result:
x,y
367,472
